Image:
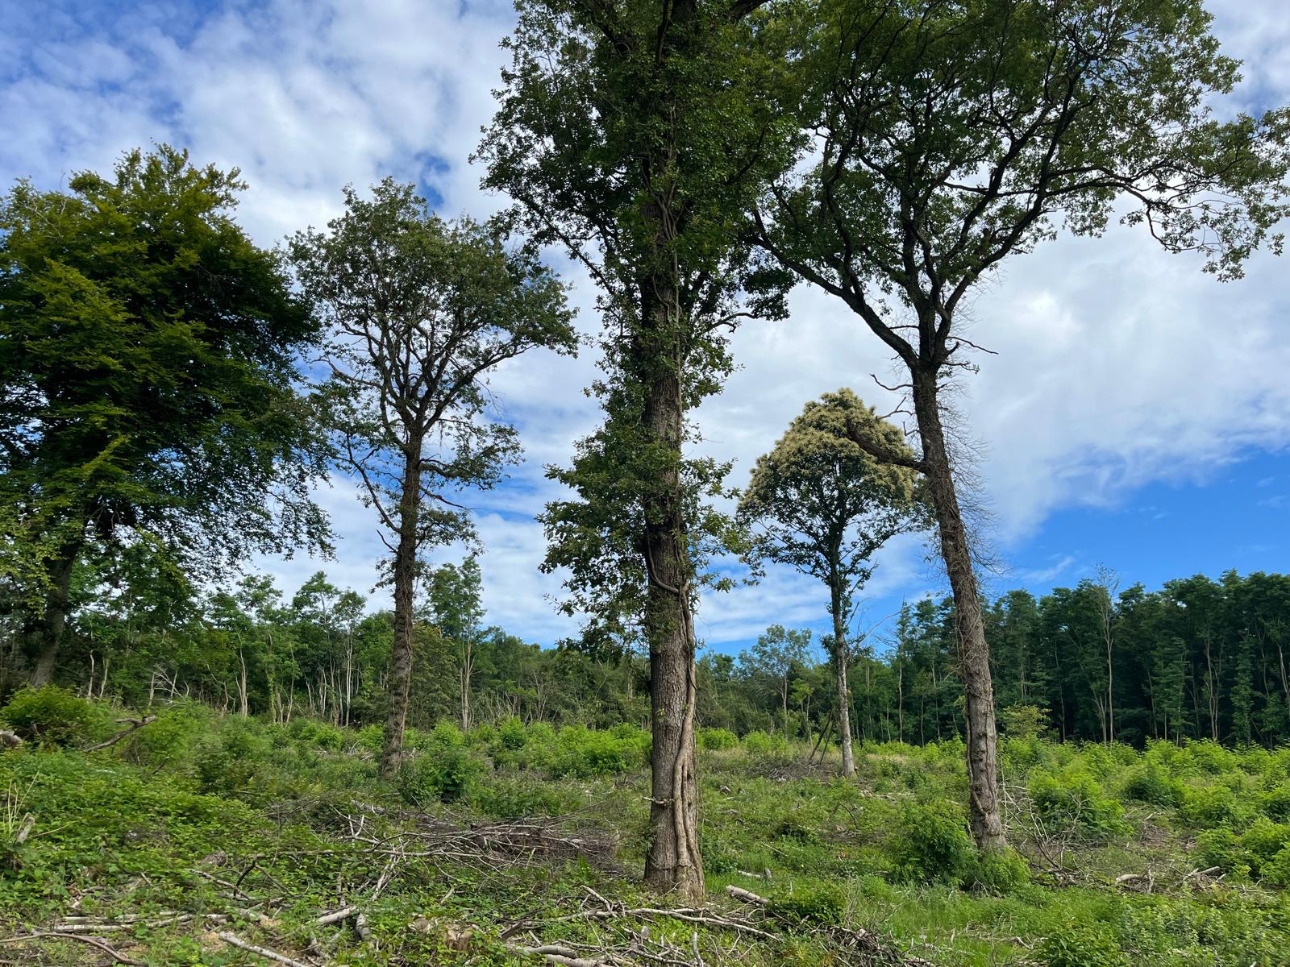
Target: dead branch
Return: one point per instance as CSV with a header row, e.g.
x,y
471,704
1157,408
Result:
x,y
343,914
117,957
746,896
135,726
235,941
562,956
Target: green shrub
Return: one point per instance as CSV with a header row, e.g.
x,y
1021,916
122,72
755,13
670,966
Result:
x,y
321,735
813,903
1205,807
370,738
1149,783
1024,721
931,843
585,753
1075,801
1210,757
1275,802
53,716
997,871
1020,755
1276,872
171,739
1254,851
229,762
717,739
512,735
1222,848
766,746
519,797
441,771
1082,946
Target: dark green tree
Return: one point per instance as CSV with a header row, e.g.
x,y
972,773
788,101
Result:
x,y
950,135
148,356
636,134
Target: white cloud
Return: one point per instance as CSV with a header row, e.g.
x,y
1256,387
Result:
x,y
1117,364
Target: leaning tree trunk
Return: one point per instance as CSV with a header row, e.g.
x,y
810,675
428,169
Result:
x,y
399,679
673,864
51,629
840,657
974,652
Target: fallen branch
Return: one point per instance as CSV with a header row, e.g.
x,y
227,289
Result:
x,y
746,896
342,914
80,938
561,956
688,915
234,940
135,726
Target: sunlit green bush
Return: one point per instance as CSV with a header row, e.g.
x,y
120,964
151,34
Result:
x,y
440,771
53,716
931,843
1074,801
717,739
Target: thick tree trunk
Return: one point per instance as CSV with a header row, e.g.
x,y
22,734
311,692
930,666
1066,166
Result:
x,y
399,679
673,864
840,656
52,627
974,652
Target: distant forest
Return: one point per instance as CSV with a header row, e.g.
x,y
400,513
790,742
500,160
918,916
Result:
x,y
1199,658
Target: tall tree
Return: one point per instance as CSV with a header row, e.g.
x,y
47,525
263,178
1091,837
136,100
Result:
x,y
148,357
952,134
636,134
457,609
423,310
825,506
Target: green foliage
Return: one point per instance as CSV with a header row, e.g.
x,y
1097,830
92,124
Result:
x,y
1203,807
322,735
143,324
717,739
54,716
1024,721
1255,851
766,746
512,734
230,761
171,739
1074,800
931,843
585,753
1082,945
998,871
818,847
815,903
441,771
1151,784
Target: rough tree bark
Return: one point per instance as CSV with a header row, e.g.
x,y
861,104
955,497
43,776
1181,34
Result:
x,y
974,653
673,864
405,564
52,626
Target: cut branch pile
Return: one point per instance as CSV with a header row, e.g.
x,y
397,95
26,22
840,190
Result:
x,y
623,944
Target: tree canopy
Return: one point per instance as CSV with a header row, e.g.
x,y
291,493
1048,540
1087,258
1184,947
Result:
x,y
148,356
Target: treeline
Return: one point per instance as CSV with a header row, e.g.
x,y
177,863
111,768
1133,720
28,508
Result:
x,y
1196,659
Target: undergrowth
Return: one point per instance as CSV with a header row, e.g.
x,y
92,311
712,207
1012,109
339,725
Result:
x,y
194,825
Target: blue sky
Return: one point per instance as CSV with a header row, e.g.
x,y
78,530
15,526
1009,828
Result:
x,y
1137,413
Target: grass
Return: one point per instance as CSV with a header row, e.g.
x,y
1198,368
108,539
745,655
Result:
x,y
197,826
